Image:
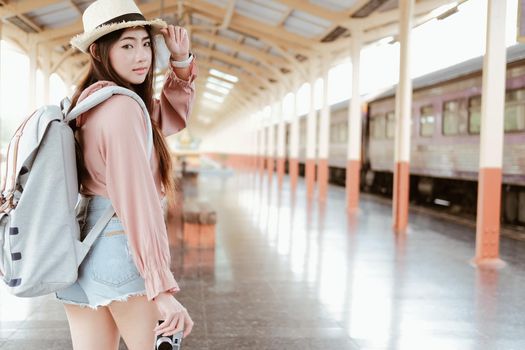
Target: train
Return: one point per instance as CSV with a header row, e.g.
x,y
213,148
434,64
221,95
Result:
x,y
445,139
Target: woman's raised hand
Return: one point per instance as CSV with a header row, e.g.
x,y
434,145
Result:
x,y
175,316
177,41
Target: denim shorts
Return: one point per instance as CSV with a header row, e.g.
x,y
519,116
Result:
x,y
108,272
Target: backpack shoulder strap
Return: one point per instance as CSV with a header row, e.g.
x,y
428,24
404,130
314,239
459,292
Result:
x,y
89,102
102,95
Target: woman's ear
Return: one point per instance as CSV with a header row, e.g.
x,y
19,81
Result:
x,y
93,51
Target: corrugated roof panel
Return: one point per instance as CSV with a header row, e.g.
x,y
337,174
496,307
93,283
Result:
x,y
255,43
57,19
200,41
246,57
306,25
83,4
221,3
230,34
224,49
389,5
335,5
58,7
266,13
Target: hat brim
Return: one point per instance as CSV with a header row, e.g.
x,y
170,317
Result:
x,y
82,41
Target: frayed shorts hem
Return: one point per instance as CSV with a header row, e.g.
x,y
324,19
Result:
x,y
106,302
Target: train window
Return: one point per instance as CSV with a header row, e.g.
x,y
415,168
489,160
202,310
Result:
x,y
377,126
427,121
343,132
474,112
333,133
390,125
515,110
450,118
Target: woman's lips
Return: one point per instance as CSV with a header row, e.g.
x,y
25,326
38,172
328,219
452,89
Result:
x,y
140,71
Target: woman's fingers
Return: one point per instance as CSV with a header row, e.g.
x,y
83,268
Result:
x,y
188,325
165,326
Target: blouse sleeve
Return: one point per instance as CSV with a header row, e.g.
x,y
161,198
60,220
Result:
x,y
172,110
131,188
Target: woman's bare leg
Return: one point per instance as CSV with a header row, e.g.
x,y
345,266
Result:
x,y
136,318
92,329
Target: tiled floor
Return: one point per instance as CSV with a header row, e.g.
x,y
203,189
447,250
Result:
x,y
296,275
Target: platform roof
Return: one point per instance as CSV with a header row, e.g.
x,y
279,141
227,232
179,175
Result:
x,y
267,45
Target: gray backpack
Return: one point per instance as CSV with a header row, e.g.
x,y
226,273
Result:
x,y
39,232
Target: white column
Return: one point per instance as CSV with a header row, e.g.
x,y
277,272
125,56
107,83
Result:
x,y
46,70
263,139
324,127
33,53
404,89
403,117
281,132
354,110
311,123
294,129
271,132
1,114
353,166
491,136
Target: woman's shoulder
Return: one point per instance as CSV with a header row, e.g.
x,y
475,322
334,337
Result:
x,y
118,110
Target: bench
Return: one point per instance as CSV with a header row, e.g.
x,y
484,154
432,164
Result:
x,y
199,221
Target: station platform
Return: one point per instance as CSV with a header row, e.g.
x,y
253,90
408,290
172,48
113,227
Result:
x,y
289,273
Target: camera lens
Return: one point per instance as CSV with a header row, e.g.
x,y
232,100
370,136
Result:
x,y
164,343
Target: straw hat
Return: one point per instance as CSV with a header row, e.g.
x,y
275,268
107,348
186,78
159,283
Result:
x,y
105,16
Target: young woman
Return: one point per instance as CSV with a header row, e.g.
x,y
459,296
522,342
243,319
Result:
x,y
125,284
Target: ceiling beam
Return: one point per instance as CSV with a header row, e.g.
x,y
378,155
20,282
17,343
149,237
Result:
x,y
24,6
315,10
254,28
260,55
249,67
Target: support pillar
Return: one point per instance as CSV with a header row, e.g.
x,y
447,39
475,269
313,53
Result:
x,y
353,166
33,53
270,146
491,137
262,154
294,145
46,53
311,135
1,114
403,117
281,143
324,138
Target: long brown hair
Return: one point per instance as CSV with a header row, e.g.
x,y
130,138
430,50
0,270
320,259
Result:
x,y
100,69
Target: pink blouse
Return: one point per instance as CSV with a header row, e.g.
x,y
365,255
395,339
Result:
x,y
113,140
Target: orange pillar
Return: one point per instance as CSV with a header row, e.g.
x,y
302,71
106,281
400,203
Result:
x,y
353,165
491,137
324,137
311,135
403,111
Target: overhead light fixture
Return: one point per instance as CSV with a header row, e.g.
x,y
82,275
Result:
x,y
219,89
223,75
220,83
213,97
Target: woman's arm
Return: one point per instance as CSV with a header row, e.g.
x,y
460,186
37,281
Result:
x,y
172,110
130,186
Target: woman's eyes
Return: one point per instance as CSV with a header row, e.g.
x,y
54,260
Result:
x,y
129,46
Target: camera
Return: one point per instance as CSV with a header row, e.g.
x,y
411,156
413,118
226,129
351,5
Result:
x,y
172,342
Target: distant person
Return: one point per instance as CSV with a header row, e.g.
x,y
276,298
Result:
x,y
125,284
